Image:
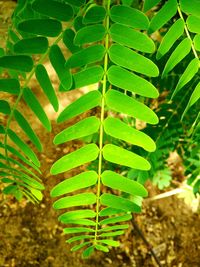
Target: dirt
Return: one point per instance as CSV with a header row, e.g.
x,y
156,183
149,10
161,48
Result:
x,y
30,235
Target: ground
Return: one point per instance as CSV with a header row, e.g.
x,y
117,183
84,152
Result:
x,y
30,235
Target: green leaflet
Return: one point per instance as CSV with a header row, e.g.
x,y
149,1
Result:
x,y
23,123
193,23
84,103
163,16
86,56
79,181
119,102
34,45
115,227
87,76
4,107
196,41
94,14
77,158
191,7
24,147
115,219
78,23
119,202
188,74
76,200
148,4
54,9
119,182
21,63
87,252
124,15
102,248
44,27
112,234
35,106
2,130
80,237
68,40
124,157
46,85
77,214
75,230
11,86
110,211
58,62
175,31
75,2
181,51
77,247
131,38
80,221
109,242
193,99
118,129
131,60
81,129
89,34
127,80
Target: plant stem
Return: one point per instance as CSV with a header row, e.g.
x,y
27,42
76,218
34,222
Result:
x,y
101,132
187,33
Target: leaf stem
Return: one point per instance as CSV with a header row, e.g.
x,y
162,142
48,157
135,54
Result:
x,y
101,133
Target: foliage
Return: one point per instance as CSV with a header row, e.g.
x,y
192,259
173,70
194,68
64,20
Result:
x,y
113,45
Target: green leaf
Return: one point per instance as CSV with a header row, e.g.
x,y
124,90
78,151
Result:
x,y
124,157
102,248
76,200
84,103
86,56
79,181
81,129
131,60
25,126
131,38
121,103
58,62
110,211
163,16
191,7
74,230
87,252
116,219
126,80
76,2
119,202
124,15
118,129
89,34
94,14
87,76
119,182
21,63
196,41
174,32
80,221
193,23
46,85
68,40
4,107
110,242
77,214
54,9
181,51
148,4
193,99
187,76
33,103
77,158
112,234
11,86
37,193
77,247
2,129
78,238
44,27
34,45
115,227
24,147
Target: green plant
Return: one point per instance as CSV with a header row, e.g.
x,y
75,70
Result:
x,y
111,45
